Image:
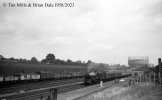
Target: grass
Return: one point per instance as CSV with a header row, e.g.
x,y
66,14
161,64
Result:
x,y
144,91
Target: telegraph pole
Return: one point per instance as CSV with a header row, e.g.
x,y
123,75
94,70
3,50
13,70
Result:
x,y
160,70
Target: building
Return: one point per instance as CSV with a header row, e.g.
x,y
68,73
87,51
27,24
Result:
x,y
136,62
141,71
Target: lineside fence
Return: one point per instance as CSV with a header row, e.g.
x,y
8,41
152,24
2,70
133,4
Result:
x,y
151,78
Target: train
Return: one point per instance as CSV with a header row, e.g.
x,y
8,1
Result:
x,y
96,77
38,76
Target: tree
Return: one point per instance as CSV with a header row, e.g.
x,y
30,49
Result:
x,y
89,61
69,61
11,59
57,61
62,61
34,60
78,62
1,57
43,61
50,58
23,60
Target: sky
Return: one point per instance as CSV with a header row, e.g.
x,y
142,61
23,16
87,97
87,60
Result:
x,y
103,31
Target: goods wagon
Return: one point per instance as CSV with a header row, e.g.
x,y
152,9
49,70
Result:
x,y
63,75
68,75
38,76
57,76
44,75
35,76
10,78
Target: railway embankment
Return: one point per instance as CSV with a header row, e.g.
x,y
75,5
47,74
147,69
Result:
x,y
116,91
84,92
144,91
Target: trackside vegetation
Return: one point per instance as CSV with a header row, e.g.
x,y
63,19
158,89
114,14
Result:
x,y
144,91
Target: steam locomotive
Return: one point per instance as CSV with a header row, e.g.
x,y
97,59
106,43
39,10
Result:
x,y
96,77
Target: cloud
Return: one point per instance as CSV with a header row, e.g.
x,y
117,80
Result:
x,y
107,31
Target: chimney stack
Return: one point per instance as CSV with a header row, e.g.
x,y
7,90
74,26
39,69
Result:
x,y
159,64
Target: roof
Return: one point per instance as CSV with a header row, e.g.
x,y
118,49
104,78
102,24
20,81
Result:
x,y
145,69
44,72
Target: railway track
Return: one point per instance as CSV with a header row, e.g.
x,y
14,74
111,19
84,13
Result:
x,y
45,92
36,85
112,84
